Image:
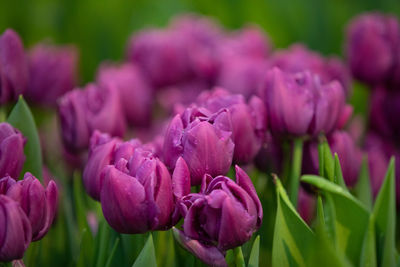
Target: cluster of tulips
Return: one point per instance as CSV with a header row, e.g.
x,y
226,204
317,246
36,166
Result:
x,y
196,100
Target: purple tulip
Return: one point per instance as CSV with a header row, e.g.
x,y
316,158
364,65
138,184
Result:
x,y
84,111
211,216
373,42
135,94
136,195
306,205
15,229
13,67
299,105
154,51
249,121
204,141
53,72
104,151
299,59
12,156
38,203
242,75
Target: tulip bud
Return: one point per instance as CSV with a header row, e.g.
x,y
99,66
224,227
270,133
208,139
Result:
x,y
154,50
104,151
84,111
12,156
372,47
15,230
136,195
299,59
203,139
38,203
13,67
211,216
249,121
299,105
52,73
135,94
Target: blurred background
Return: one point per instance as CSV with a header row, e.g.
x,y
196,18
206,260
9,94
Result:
x,y
100,28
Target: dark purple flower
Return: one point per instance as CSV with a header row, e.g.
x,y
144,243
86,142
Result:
x,y
299,59
249,122
136,194
15,230
13,67
38,203
242,75
203,139
306,205
211,216
136,96
299,105
373,42
161,55
12,155
104,151
53,72
84,111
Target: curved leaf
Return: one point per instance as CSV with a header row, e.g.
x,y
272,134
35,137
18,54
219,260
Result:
x,y
255,253
147,256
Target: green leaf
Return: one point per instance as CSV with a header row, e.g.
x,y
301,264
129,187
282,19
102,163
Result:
x,y
102,240
338,174
363,187
292,236
255,253
384,215
295,170
112,254
22,119
329,165
234,257
80,209
368,253
147,256
86,249
351,217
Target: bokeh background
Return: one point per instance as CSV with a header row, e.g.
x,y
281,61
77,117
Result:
x,y
100,28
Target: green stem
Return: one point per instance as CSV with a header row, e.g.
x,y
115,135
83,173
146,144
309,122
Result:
x,y
296,170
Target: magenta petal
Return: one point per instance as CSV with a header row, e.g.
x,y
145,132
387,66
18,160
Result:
x,y
181,179
208,254
173,141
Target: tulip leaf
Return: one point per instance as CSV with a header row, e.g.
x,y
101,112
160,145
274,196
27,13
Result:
x,y
363,187
102,241
368,253
21,118
292,236
234,257
112,254
329,165
147,256
255,253
339,174
351,217
384,215
86,249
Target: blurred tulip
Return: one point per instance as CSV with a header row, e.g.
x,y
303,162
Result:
x,y
39,203
299,105
15,230
12,155
211,216
53,72
13,67
136,195
306,205
373,41
82,112
299,59
136,96
249,122
204,141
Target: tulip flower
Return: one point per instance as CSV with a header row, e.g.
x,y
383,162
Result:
x,y
249,121
202,139
373,41
135,94
299,59
104,151
84,111
136,195
12,156
306,205
53,71
38,203
299,105
13,67
211,221
15,229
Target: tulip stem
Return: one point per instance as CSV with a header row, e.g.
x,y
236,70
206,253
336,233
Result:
x,y
297,158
